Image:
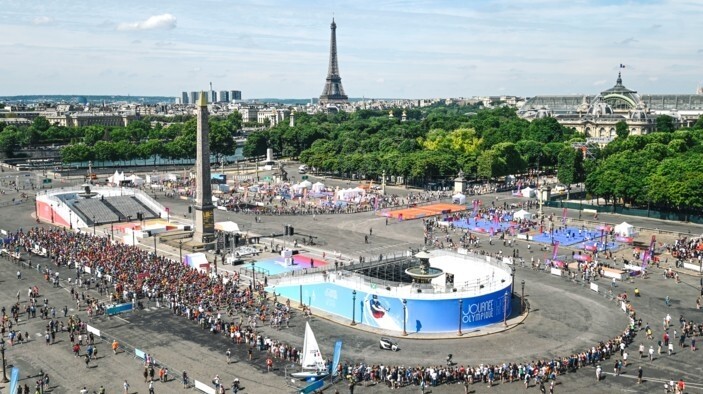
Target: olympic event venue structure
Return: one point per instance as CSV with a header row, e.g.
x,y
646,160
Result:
x,y
467,292
86,206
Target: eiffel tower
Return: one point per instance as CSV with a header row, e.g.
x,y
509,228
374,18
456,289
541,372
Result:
x,y
333,93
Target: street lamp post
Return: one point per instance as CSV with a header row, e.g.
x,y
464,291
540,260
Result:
x,y
180,251
70,219
522,298
52,213
461,308
93,224
505,309
512,286
353,323
253,275
405,315
2,349
155,255
112,231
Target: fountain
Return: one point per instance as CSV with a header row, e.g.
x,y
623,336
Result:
x,y
423,273
87,192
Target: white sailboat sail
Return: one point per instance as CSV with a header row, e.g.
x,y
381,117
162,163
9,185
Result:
x,y
312,358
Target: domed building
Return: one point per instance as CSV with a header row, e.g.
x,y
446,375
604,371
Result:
x,y
596,116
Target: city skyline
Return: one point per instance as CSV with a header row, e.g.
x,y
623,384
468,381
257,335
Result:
x,y
393,49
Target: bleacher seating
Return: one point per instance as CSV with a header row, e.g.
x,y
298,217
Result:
x,y
111,209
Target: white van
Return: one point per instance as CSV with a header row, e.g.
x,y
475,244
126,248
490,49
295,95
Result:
x,y
303,169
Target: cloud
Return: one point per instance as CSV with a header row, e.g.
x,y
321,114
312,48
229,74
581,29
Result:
x,y
42,20
380,80
627,41
163,22
653,79
599,82
654,27
700,51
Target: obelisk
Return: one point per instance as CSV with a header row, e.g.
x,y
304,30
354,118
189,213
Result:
x,y
204,232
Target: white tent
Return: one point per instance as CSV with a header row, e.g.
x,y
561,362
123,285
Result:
x,y
318,187
522,215
305,184
528,192
116,178
227,227
459,198
135,179
625,229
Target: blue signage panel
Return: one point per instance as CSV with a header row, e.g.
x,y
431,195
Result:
x,y
386,311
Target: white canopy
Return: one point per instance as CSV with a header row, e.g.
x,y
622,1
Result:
x,y
459,198
135,179
116,177
528,192
318,187
522,215
228,227
625,229
305,184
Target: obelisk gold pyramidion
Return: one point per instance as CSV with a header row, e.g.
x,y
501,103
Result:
x,y
204,231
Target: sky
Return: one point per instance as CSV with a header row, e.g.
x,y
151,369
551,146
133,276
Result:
x,y
386,49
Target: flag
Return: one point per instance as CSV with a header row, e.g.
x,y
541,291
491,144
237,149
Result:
x,y
555,250
336,356
14,379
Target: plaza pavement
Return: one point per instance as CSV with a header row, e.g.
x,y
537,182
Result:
x,y
564,318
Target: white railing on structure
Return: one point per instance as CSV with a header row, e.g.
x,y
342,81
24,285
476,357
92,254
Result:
x,y
150,202
61,209
106,191
357,281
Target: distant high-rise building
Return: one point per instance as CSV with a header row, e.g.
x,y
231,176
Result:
x,y
212,96
184,98
235,95
193,98
333,93
223,96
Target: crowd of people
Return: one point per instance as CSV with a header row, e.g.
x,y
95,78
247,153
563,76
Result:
x,y
228,307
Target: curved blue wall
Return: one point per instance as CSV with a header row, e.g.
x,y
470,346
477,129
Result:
x,y
386,312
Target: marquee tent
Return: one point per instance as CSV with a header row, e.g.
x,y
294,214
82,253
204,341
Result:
x,y
459,198
522,215
625,229
528,192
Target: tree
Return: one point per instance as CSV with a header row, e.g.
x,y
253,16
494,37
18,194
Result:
x,y
256,145
570,168
665,124
41,124
9,138
490,165
514,163
621,129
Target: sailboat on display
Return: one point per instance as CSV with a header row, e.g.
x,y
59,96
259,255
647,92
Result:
x,y
313,365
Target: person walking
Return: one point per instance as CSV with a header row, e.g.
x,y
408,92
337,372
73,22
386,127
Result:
x,y
151,387
184,378
115,346
125,385
651,353
598,372
639,375
228,353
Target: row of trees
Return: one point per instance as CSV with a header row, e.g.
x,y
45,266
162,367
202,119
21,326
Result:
x,y
141,139
661,168
434,143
